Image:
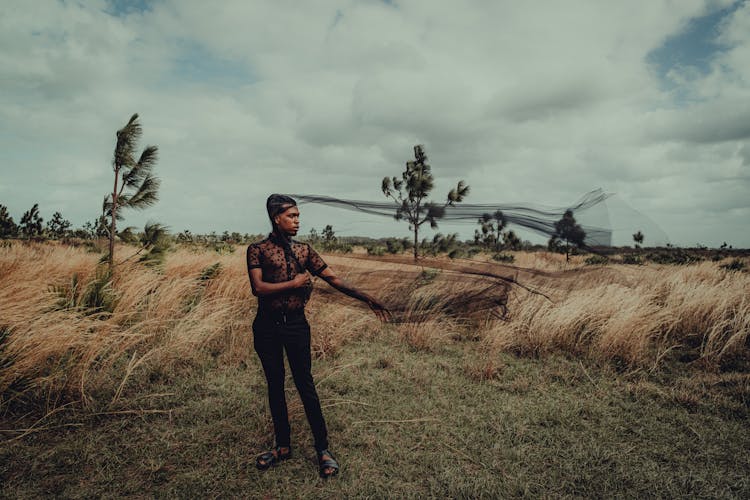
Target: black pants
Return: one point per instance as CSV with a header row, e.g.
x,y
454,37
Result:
x,y
271,336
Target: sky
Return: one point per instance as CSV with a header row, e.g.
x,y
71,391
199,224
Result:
x,y
533,102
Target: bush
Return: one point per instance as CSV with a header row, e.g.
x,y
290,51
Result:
x,y
675,256
503,257
375,250
222,248
735,265
596,260
338,247
632,259
96,297
456,253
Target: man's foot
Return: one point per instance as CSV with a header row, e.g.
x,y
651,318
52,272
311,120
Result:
x,y
327,463
273,457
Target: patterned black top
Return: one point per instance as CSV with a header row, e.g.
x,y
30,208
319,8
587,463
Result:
x,y
273,257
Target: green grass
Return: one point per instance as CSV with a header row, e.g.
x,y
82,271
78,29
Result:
x,y
403,423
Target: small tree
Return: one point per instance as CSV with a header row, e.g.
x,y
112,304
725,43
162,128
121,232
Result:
x,y
100,227
567,230
511,241
411,191
638,239
31,223
132,175
57,227
491,226
185,237
329,237
8,227
313,238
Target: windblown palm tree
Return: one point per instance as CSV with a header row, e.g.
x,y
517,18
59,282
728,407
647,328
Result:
x,y
135,186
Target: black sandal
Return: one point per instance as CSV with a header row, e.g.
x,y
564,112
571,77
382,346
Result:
x,y
269,458
329,463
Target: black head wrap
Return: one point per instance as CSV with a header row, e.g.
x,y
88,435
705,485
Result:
x,y
278,203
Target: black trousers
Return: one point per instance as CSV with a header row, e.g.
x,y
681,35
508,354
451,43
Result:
x,y
272,335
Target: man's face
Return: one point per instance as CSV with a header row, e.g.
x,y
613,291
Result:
x,y
288,221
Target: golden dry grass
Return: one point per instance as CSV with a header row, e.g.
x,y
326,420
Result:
x,y
163,319
636,315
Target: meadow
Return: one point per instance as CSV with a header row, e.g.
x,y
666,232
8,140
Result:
x,y
602,380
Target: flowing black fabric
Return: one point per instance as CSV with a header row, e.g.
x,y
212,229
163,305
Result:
x,y
536,218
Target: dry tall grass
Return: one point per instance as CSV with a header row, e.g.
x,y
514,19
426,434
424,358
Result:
x,y
53,349
637,316
158,319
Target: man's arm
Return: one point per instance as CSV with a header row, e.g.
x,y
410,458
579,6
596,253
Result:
x,y
379,309
261,287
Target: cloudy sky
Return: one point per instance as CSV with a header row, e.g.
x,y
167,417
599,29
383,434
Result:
x,y
526,101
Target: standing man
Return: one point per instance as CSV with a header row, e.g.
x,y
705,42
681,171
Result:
x,y
278,268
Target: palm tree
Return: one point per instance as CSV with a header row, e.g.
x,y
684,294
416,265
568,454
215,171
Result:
x,y
134,176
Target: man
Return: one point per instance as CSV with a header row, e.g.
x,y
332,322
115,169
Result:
x,y
278,267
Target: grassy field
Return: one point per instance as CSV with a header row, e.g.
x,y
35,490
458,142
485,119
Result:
x,y
627,381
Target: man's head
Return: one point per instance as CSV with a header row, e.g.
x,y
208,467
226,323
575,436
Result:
x,y
284,214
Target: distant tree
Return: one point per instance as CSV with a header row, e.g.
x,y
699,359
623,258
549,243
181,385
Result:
x,y
130,174
638,239
185,237
329,237
567,230
410,193
491,228
31,223
57,226
511,241
100,227
85,232
313,238
8,227
441,244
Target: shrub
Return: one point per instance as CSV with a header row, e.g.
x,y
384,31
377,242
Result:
x,y
503,257
632,259
596,260
735,265
457,253
675,256
375,250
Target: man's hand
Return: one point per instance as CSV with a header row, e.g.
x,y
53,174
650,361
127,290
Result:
x,y
301,280
379,309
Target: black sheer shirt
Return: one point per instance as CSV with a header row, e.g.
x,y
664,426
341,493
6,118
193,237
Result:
x,y
281,261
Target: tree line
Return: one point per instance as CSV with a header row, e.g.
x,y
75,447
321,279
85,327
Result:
x,y
31,226
136,187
